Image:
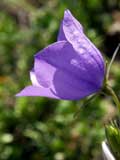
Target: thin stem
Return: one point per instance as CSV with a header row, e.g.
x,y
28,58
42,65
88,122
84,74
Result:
x,y
114,96
87,101
113,57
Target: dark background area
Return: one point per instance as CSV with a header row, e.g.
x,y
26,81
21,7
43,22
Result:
x,y
41,128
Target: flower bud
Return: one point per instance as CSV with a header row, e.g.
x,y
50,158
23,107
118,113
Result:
x,y
113,137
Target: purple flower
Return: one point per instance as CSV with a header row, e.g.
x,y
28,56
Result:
x,y
69,69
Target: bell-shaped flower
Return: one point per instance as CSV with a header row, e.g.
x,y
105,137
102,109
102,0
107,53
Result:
x,y
70,69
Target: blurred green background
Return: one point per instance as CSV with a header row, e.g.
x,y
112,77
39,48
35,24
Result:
x,y
41,128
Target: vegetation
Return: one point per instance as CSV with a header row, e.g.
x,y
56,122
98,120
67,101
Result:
x,y
41,128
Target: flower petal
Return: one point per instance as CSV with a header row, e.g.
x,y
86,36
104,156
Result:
x,y
106,152
69,20
37,91
67,73
34,79
71,30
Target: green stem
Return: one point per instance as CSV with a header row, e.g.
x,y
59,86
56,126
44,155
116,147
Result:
x,y
113,57
110,91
